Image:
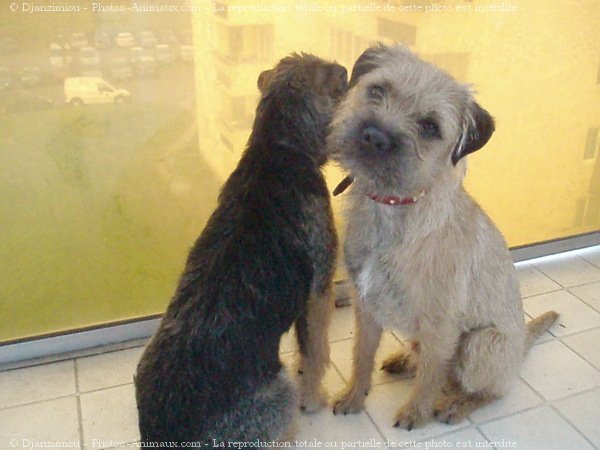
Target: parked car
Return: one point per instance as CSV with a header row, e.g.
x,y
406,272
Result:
x,y
5,79
164,54
102,39
89,70
57,56
186,53
124,39
146,66
92,90
147,39
120,69
88,62
166,36
78,40
22,101
30,76
88,56
135,53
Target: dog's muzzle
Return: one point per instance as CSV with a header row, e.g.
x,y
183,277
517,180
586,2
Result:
x,y
375,140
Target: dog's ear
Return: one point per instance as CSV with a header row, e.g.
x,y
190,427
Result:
x,y
332,80
366,62
477,130
264,79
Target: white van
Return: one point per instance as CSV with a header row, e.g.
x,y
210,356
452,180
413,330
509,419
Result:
x,y
92,90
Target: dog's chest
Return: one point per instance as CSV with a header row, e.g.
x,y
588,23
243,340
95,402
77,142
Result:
x,y
382,295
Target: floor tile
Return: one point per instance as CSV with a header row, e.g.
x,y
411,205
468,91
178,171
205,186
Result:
x,y
49,421
288,342
583,412
109,416
534,282
591,254
37,383
332,382
575,315
325,428
555,371
587,345
521,397
341,355
589,293
341,327
108,369
569,270
537,429
383,403
465,438
342,323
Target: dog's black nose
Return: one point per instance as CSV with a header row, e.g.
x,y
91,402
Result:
x,y
376,140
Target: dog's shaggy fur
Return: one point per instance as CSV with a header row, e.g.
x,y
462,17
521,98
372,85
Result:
x,y
425,259
264,261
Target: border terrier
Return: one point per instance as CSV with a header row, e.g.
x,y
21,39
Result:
x,y
264,261
424,257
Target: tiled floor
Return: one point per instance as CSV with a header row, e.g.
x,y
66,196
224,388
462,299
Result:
x,y
554,404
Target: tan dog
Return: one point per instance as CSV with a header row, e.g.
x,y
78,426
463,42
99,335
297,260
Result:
x,y
425,259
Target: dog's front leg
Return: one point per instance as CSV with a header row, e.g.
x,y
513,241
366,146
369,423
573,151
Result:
x,y
311,332
368,334
438,342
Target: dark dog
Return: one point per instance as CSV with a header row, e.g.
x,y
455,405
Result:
x,y
264,261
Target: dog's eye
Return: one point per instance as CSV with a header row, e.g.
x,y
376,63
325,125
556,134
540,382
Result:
x,y
428,129
376,92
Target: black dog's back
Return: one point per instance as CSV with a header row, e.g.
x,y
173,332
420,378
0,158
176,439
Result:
x,y
212,370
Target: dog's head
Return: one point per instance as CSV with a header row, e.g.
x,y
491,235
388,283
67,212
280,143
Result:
x,y
303,91
405,124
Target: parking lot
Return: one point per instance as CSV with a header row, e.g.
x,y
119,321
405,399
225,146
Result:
x,y
142,63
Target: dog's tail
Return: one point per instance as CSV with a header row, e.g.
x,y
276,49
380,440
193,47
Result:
x,y
538,326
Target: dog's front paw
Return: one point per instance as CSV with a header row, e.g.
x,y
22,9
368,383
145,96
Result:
x,y
313,400
350,400
409,417
451,410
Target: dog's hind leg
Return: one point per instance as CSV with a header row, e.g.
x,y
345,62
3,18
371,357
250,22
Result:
x,y
267,414
456,405
311,332
486,363
403,363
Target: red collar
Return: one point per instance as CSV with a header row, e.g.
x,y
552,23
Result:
x,y
395,201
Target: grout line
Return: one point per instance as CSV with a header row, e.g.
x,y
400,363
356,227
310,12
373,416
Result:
x,y
486,436
60,397
577,430
589,261
446,432
577,353
567,263
37,402
587,283
575,333
383,437
106,388
560,288
77,394
80,354
582,299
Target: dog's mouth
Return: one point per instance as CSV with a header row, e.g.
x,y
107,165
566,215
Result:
x,y
391,200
